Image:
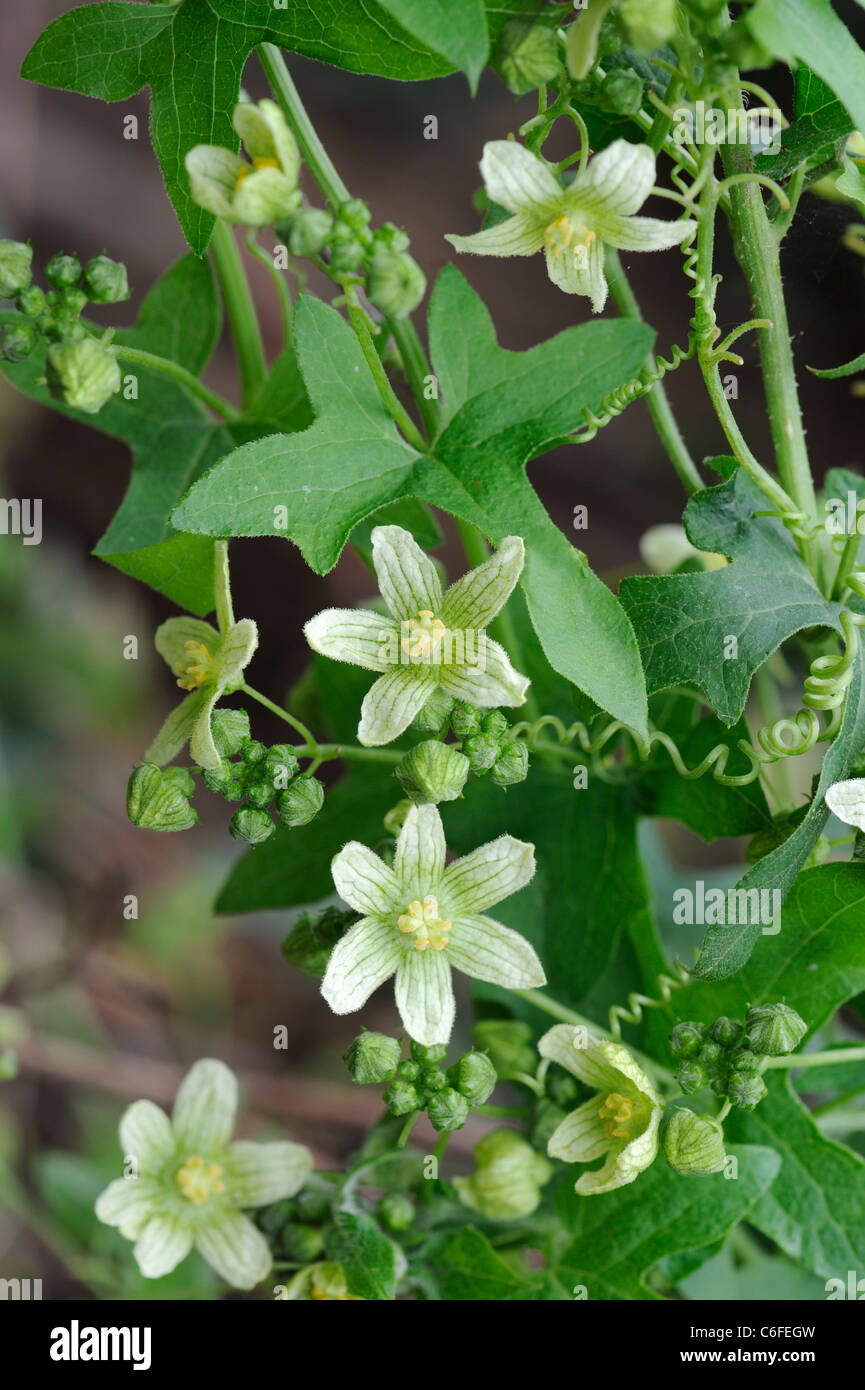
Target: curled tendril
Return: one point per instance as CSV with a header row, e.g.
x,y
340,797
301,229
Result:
x,y
633,1012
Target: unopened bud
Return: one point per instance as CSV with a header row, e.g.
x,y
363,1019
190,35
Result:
x,y
17,341
508,1179
686,1039
726,1031
105,281
481,752
229,728
395,283
691,1078
512,764
474,1076
649,23
433,772
396,1212
82,374
301,1242
774,1029
251,825
465,719
527,56
448,1110
309,231
401,1098
158,798
63,271
694,1144
301,802
372,1058
745,1090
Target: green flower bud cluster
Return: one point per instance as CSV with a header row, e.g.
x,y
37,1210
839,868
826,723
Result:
x,y
294,1226
313,937
419,1082
80,371
395,283
483,737
728,1055
259,776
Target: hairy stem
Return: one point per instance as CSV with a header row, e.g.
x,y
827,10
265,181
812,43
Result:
x,y
166,367
240,310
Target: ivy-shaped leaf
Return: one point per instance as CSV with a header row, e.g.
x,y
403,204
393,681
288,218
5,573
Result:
x,y
458,32
809,31
468,1268
684,622
819,122
367,1256
500,409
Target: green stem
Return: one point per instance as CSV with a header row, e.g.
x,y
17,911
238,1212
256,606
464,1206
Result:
x,y
391,401
657,400
240,310
814,1059
846,563
312,748
417,370
407,1128
278,279
314,154
355,753
166,367
441,1144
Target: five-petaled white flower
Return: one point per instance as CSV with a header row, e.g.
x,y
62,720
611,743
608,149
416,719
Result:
x,y
571,224
209,663
421,918
622,1122
189,1181
250,194
431,638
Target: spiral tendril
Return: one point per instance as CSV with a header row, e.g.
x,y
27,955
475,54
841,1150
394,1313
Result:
x,y
633,1011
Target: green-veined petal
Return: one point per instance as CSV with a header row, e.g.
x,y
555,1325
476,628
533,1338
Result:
x,y
490,683
475,599
205,1108
129,1203
266,134
362,960
582,274
407,577
618,180
163,1243
581,1137
518,180
420,852
146,1136
178,728
355,635
234,1248
425,997
364,881
257,1174
213,174
522,235
201,745
392,702
172,636
623,1167
642,233
562,1044
236,652
487,875
486,950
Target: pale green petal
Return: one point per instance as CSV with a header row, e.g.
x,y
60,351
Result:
x,y
266,134
490,683
487,875
642,233
205,1108
201,745
392,702
420,852
263,197
629,1068
164,1242
618,180
257,1174
486,950
177,729
407,577
172,636
846,800
362,960
522,235
518,180
355,635
580,1138
238,646
586,1062
364,881
235,1249
212,174
474,600
146,1136
425,997
582,274
623,1167
129,1203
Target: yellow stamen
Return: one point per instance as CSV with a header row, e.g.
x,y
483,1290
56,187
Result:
x,y
561,233
615,1114
424,633
198,1180
422,918
260,162
197,669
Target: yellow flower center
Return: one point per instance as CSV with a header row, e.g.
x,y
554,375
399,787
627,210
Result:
x,y
422,918
197,669
260,162
562,235
198,1180
422,634
616,1115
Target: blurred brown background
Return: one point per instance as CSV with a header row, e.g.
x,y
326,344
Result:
x,y
119,1008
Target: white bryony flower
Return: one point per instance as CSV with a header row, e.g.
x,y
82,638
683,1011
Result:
x,y
665,547
846,800
420,918
621,1122
324,1282
431,639
571,223
190,1181
209,662
252,194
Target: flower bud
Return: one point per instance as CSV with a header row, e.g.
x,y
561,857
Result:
x,y
312,1204
63,271
105,281
745,1091
512,764
301,1242
355,213
508,1044
431,718
726,1031
774,1029
494,724
694,1144
691,1078
507,1183
408,1070
711,1052
251,825
481,751
744,1060
260,794
474,1076
217,779
252,752
401,1098
395,283
15,258
372,1059
158,798
280,765
686,1039
309,231
395,819
465,719
83,374
396,1212
346,251
313,937
648,23
433,772
527,56
621,92
229,728
391,237
17,341
434,1052
448,1110
301,802
431,1080
31,301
